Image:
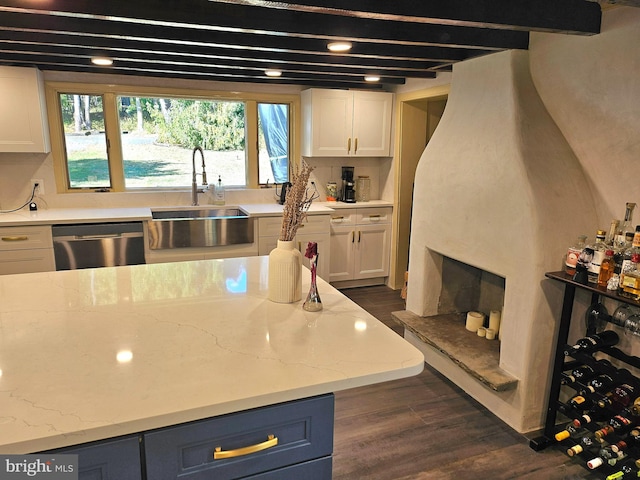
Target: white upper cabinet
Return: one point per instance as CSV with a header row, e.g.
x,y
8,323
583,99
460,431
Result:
x,y
23,112
344,123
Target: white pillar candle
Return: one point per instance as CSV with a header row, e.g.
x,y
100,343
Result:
x,y
490,334
474,321
494,320
482,332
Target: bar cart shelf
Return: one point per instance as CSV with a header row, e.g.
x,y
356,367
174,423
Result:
x,y
561,363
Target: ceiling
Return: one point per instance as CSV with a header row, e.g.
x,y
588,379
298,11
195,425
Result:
x,y
236,40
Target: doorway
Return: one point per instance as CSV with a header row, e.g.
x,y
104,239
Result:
x,y
418,115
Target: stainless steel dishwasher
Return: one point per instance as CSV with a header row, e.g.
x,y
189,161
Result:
x,y
90,245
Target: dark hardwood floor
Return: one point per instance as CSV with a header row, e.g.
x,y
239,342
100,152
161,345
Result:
x,y
425,427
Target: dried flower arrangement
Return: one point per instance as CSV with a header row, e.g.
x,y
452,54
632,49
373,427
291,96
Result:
x,y
297,203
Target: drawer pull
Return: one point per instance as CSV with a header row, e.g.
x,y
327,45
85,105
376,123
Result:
x,y
375,216
20,238
359,236
337,218
238,452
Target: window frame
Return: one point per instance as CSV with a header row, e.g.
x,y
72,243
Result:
x,y
110,92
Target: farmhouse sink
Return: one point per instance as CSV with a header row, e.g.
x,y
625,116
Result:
x,y
198,227
197,212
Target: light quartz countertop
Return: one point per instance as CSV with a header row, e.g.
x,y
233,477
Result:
x,y
97,215
96,353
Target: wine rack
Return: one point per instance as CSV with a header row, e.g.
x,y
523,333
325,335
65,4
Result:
x,y
562,364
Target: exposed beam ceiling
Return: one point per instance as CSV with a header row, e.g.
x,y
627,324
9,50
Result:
x,y
236,40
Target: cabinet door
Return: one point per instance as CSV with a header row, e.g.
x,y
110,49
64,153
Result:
x,y
373,248
108,460
327,122
23,117
371,124
342,250
242,444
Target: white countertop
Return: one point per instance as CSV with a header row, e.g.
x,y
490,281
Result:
x,y
96,215
203,340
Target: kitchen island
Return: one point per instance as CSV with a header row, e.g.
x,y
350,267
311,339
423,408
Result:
x,y
88,355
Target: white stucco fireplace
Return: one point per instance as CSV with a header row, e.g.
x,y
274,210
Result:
x,y
494,189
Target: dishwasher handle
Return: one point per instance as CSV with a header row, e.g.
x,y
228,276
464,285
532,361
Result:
x,y
100,236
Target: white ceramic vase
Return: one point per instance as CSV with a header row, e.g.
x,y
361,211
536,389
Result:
x,y
285,273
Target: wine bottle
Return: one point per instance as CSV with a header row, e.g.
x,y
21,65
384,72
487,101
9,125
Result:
x,y
593,342
579,374
569,431
617,424
620,397
585,443
606,454
597,384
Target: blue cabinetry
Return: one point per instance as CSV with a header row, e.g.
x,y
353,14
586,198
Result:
x,y
249,443
117,459
287,441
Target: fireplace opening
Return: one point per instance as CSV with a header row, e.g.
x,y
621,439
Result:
x,y
454,289
466,288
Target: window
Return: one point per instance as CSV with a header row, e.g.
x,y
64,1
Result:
x,y
129,140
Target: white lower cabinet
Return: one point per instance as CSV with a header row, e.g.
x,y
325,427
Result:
x,y
314,229
26,250
360,244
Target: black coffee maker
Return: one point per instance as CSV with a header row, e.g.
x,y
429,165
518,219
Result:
x,y
348,193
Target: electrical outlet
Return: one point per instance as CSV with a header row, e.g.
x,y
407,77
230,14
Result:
x,y
40,189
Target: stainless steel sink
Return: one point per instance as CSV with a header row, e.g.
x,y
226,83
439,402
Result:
x,y
205,212
198,227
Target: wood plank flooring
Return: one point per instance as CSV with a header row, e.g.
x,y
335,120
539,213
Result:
x,y
425,427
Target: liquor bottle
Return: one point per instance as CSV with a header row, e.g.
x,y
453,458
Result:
x,y
579,374
599,248
573,253
631,280
627,224
606,268
627,255
593,342
613,232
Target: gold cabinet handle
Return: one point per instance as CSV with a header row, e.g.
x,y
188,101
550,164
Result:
x,y
355,149
337,219
349,145
219,454
359,236
20,238
376,215
353,237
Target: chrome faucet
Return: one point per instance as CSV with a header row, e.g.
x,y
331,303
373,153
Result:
x,y
194,183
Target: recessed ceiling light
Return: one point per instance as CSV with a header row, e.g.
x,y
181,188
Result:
x,y
102,61
372,78
339,46
271,72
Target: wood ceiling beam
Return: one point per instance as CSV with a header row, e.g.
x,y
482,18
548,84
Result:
x,y
198,54
62,64
142,60
213,16
559,16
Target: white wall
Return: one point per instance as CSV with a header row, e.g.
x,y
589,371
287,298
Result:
x,y
591,88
